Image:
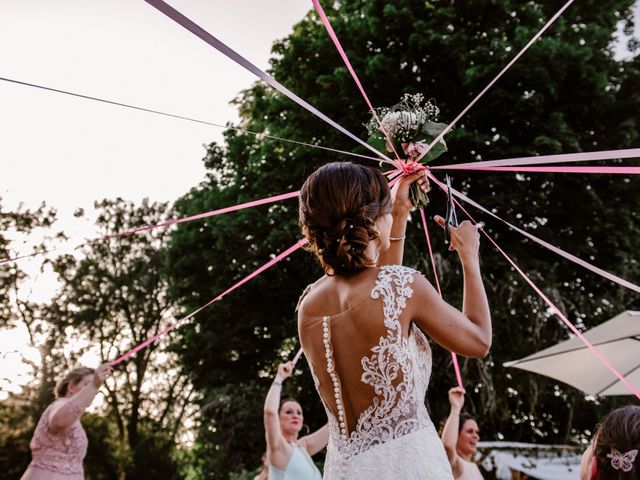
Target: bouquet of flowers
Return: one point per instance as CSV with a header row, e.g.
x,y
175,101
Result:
x,y
410,128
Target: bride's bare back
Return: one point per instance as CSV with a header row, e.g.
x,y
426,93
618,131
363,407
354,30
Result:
x,y
371,365
354,324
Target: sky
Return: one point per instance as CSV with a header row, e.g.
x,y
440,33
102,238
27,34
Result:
x,y
70,152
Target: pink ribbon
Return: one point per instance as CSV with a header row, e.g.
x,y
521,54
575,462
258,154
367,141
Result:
x,y
563,169
554,308
253,274
545,159
201,33
568,323
454,357
27,255
212,213
433,262
297,357
547,245
413,150
497,77
345,59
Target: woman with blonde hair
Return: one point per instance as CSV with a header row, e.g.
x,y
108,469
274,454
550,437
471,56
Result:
x,y
59,443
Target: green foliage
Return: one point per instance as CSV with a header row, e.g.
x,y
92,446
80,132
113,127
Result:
x,y
114,295
15,229
566,94
20,411
16,427
106,457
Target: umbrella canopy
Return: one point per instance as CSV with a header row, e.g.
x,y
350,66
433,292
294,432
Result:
x,y
572,363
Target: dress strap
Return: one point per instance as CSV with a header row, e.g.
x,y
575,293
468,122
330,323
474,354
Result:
x,y
394,286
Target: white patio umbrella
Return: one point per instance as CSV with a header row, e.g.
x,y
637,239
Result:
x,y
571,362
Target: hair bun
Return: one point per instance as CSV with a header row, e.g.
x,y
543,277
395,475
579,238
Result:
x,y
339,204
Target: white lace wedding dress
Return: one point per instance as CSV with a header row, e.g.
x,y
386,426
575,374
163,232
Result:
x,y
380,428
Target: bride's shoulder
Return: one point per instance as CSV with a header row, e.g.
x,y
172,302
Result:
x,y
308,294
399,279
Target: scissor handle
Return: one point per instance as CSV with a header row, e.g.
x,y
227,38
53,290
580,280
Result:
x,y
451,218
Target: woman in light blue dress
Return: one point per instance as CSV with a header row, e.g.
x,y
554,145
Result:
x,y
289,457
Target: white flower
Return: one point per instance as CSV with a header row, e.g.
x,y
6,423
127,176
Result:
x,y
390,121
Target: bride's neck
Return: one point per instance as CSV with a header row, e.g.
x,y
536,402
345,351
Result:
x,y
373,252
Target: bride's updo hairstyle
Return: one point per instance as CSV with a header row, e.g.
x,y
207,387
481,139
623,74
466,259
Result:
x,y
339,204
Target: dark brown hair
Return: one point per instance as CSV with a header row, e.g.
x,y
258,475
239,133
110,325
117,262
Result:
x,y
620,430
285,400
72,377
339,204
464,416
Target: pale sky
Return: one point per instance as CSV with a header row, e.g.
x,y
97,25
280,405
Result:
x,y
70,152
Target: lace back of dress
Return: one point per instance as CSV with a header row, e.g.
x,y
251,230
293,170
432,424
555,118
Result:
x,y
394,404
373,369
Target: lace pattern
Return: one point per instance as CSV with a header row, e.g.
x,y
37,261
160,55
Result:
x,y
398,370
59,451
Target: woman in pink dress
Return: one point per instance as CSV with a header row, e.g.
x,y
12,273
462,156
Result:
x,y
59,443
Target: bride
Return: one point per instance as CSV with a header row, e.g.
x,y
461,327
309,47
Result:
x,y
363,325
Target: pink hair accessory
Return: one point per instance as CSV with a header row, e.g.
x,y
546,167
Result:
x,y
622,461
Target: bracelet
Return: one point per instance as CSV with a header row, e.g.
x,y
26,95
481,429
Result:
x,y
397,238
276,383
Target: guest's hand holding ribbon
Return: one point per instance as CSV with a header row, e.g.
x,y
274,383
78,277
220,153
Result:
x,y
101,373
284,371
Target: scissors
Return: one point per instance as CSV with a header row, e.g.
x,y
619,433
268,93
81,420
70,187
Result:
x,y
452,218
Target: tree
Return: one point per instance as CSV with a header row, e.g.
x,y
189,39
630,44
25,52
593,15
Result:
x,y
20,410
566,94
113,296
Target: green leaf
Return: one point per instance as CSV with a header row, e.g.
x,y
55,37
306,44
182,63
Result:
x,y
433,128
378,142
437,150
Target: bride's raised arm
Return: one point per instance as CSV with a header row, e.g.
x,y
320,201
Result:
x,y
468,332
400,208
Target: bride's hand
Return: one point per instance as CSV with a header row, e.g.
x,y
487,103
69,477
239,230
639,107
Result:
x,y
401,201
465,238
